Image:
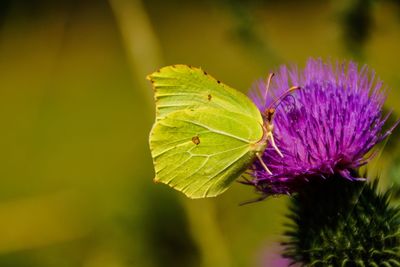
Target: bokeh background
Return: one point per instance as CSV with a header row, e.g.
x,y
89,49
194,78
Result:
x,y
75,112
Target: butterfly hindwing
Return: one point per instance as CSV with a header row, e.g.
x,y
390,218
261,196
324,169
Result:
x,y
201,151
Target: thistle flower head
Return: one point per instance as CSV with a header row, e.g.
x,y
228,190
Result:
x,y
327,127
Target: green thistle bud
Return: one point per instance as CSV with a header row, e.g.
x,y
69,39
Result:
x,y
337,222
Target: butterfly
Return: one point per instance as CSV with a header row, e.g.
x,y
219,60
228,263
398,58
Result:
x,y
206,134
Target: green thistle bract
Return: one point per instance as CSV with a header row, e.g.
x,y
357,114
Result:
x,y
337,222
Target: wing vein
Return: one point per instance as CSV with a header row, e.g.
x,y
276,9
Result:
x,y
217,131
220,152
223,169
169,149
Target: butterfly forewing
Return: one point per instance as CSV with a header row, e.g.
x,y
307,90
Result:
x,y
201,151
179,87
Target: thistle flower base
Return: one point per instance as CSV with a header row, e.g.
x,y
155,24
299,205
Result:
x,y
337,222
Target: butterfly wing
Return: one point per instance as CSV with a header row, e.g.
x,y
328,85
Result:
x,y
201,151
181,87
206,134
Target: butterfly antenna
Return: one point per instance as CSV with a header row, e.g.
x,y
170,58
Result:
x,y
285,94
280,103
268,84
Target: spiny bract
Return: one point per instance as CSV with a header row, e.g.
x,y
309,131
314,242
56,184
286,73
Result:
x,y
337,222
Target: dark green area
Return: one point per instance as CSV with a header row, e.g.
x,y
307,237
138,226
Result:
x,y
343,223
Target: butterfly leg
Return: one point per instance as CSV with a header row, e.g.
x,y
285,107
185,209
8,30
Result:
x,y
272,141
263,164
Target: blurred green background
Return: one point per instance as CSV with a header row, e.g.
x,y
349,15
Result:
x,y
75,112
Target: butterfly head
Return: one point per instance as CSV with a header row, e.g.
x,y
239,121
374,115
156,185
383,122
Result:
x,y
270,111
269,114
268,117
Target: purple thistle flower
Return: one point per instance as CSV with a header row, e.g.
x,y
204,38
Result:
x,y
326,127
